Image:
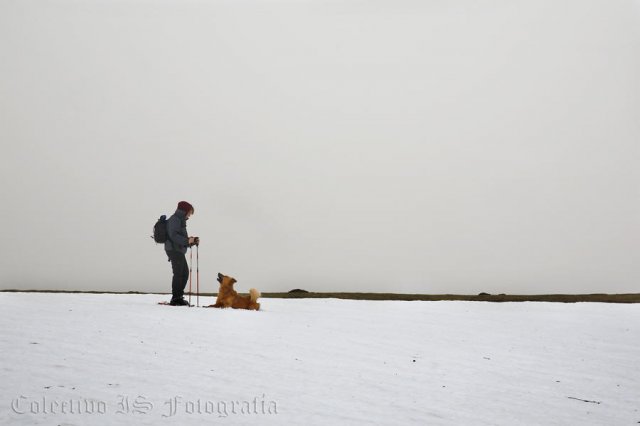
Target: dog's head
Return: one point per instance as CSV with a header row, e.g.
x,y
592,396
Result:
x,y
226,281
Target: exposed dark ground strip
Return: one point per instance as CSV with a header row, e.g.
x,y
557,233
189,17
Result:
x,y
562,298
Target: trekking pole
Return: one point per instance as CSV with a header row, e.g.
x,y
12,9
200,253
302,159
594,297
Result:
x,y
197,276
190,272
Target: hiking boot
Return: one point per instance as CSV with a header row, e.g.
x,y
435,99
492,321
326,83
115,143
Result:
x,y
179,302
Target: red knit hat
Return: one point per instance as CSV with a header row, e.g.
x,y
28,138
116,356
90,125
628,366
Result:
x,y
185,207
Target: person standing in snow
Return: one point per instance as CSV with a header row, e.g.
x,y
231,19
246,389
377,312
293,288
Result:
x,y
176,248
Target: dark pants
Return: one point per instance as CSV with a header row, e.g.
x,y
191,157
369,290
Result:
x,y
180,273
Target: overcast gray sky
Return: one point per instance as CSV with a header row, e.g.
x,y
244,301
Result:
x,y
396,146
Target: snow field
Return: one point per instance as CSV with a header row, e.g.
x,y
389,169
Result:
x,y
316,361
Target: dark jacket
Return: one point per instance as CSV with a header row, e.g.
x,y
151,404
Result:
x,y
178,239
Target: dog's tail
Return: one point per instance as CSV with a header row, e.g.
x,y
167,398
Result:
x,y
254,294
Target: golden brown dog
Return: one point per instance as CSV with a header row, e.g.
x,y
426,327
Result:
x,y
229,298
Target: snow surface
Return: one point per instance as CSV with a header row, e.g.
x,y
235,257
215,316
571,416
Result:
x,y
319,362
